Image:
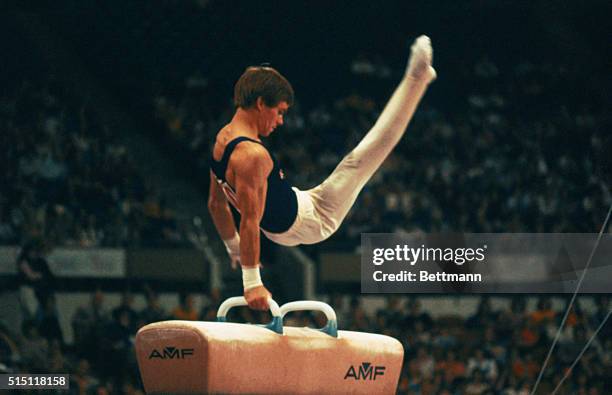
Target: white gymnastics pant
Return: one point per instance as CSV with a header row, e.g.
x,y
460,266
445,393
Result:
x,y
322,209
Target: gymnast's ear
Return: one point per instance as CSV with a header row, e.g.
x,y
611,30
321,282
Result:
x,y
260,103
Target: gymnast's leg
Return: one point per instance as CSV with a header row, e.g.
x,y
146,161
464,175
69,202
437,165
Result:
x,y
336,195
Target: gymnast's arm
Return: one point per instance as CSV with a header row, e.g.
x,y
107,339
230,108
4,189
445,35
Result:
x,y
251,165
224,222
220,211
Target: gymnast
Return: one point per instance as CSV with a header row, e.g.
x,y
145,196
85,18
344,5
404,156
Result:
x,y
245,174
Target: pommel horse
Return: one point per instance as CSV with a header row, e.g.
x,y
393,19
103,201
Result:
x,y
193,357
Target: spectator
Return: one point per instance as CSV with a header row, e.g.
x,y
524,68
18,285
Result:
x,y
476,385
125,307
33,271
484,315
117,344
153,312
48,322
358,319
425,363
544,312
450,368
529,335
483,364
415,314
81,380
185,310
88,323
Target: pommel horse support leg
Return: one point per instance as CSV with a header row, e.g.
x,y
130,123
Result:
x,y
190,357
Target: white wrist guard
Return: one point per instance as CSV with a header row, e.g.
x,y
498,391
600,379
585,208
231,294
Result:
x,y
251,277
233,245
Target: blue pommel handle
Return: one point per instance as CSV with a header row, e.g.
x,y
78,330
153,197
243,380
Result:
x,y
331,328
275,325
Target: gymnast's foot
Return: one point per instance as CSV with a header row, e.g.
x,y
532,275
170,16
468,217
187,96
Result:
x,y
421,58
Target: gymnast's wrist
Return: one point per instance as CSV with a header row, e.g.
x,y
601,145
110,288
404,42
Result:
x,y
251,277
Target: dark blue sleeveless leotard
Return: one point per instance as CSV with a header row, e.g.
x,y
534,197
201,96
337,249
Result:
x,y
281,203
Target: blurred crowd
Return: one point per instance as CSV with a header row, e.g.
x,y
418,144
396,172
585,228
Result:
x,y
518,155
67,178
493,351
498,351
101,358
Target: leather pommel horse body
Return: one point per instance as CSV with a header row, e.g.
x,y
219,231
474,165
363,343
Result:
x,y
191,357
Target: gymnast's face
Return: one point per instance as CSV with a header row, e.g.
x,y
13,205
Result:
x,y
270,117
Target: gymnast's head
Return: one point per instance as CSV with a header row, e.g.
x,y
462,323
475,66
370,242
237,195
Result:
x,y
265,94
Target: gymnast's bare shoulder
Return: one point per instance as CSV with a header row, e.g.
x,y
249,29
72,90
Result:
x,y
250,161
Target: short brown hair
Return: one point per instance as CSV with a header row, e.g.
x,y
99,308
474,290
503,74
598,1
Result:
x,y
264,82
